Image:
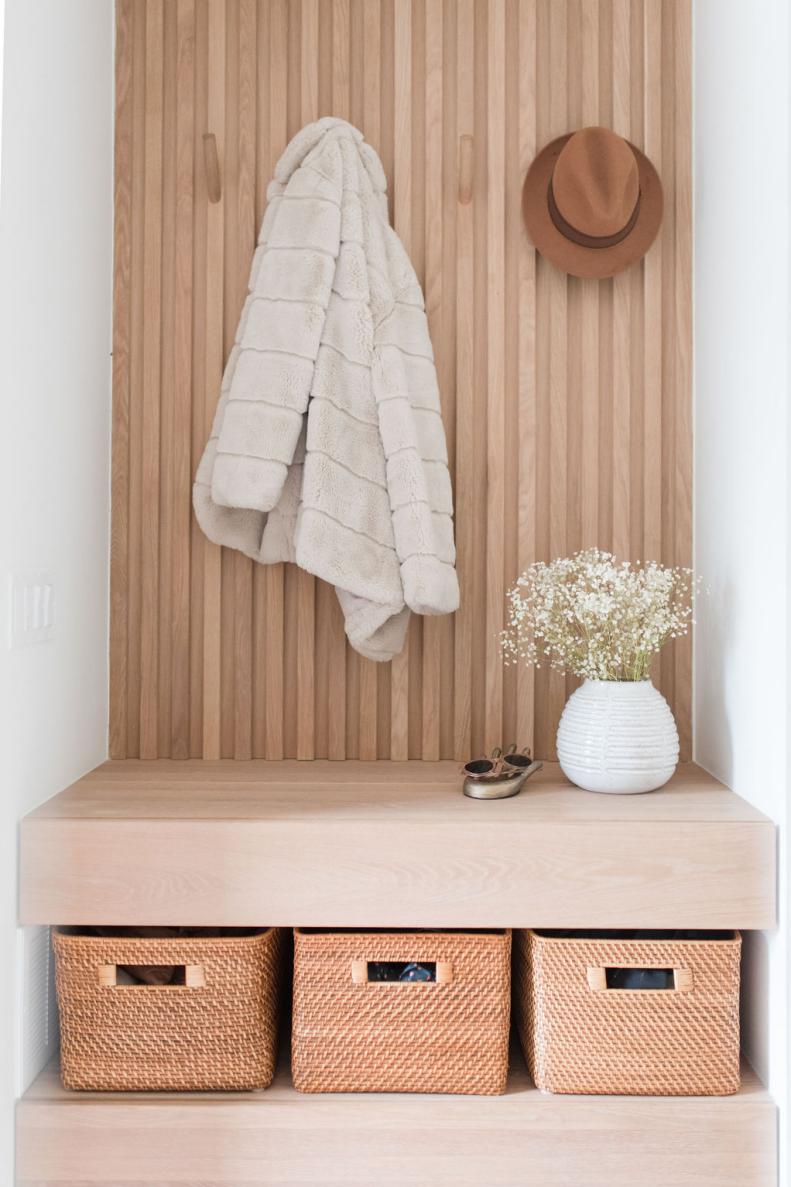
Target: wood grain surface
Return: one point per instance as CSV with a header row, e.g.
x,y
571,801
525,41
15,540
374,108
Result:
x,y
68,1139
566,403
389,844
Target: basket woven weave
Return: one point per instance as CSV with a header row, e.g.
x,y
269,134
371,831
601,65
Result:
x,y
356,1036
217,1032
579,1036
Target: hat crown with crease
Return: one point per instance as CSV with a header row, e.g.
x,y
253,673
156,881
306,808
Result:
x,y
592,203
595,182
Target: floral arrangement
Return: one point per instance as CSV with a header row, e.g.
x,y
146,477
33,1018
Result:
x,y
595,616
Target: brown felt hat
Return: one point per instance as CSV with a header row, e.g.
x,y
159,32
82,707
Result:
x,y
592,203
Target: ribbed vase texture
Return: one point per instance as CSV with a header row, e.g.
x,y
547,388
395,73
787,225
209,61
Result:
x,y
617,736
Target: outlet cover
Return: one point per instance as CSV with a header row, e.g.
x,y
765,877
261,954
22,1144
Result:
x,y
32,608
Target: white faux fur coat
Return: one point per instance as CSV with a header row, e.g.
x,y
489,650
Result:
x,y
328,447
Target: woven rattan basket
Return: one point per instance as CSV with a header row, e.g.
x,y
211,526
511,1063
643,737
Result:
x,y
353,1035
578,1035
217,1031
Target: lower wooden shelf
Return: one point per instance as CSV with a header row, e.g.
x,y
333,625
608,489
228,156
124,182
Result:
x,y
280,1137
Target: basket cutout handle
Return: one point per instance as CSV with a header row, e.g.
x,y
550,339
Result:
x,y
194,978
443,974
605,979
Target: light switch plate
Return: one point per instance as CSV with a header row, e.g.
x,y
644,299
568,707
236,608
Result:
x,y
32,608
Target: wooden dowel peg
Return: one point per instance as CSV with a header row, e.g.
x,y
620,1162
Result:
x,y
465,169
211,161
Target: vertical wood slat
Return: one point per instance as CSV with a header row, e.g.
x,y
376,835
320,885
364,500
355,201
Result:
x,y
447,335
652,300
386,150
682,222
351,661
306,583
603,326
367,744
526,490
122,232
292,578
417,246
621,122
213,340
260,666
512,228
637,372
557,297
167,427
589,329
574,296
179,624
465,442
198,542
567,403
324,594
495,394
152,299
667,233
230,675
402,221
246,234
540,366
275,576
480,361
336,642
431,690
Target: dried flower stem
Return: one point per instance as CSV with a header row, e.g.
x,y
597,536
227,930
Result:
x,y
596,617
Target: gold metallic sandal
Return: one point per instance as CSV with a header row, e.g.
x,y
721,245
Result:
x,y
498,778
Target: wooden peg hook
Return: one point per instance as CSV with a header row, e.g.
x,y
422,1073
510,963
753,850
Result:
x,y
465,169
211,162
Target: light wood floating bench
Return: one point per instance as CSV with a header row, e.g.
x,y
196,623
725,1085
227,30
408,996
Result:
x,y
522,1139
389,845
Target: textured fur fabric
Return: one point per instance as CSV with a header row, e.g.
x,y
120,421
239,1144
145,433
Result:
x,y
328,447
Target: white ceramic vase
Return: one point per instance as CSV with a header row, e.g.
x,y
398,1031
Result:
x,y
617,736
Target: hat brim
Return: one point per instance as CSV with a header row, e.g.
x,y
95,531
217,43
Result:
x,y
589,262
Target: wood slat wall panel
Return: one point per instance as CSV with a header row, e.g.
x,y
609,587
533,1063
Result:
x,y
566,402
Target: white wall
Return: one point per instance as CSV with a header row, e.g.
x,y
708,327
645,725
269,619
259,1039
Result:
x,y
55,306
742,450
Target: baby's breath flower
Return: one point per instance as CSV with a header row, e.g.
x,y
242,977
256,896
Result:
x,y
595,616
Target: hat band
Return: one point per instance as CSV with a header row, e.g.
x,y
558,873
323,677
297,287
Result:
x,y
578,237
